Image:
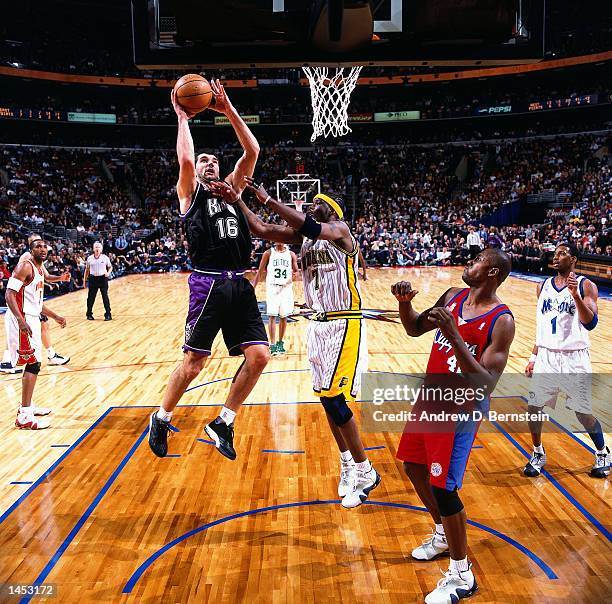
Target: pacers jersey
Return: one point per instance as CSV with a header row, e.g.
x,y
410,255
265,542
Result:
x,y
279,267
330,276
30,296
558,326
218,234
476,334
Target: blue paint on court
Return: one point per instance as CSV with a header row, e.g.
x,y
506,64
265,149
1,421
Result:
x,y
280,451
374,448
85,516
129,586
21,482
59,446
203,440
596,523
172,455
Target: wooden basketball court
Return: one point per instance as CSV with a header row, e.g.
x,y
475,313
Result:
x,y
86,506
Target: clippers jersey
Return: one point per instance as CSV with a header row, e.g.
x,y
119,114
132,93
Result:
x,y
330,276
476,333
279,267
218,234
558,326
30,296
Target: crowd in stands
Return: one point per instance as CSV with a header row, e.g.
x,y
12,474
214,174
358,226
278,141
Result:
x,y
409,205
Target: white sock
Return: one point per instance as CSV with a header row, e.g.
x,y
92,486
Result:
x,y
440,530
27,412
164,415
538,449
227,415
603,450
50,352
459,566
346,456
363,466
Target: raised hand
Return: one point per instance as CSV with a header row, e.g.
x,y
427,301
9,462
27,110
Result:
x,y
572,285
403,291
180,112
219,188
261,194
221,102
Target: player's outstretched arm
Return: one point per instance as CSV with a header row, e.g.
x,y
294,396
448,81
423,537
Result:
x,y
333,231
259,228
263,267
185,153
245,166
53,315
415,324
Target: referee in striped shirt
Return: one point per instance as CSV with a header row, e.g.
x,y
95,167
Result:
x,y
97,269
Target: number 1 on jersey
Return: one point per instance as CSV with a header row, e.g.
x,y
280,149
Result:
x,y
553,323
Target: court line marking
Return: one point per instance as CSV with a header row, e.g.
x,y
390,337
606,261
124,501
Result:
x,y
602,529
564,429
21,482
81,438
153,557
280,451
60,446
11,508
85,516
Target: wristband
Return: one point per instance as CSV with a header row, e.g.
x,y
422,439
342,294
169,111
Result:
x,y
268,198
14,284
532,358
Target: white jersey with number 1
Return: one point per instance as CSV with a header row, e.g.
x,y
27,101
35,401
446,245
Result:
x,y
558,323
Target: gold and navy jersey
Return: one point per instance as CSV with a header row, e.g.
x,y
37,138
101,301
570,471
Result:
x,y
330,276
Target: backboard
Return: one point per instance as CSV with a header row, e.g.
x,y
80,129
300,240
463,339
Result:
x,y
198,34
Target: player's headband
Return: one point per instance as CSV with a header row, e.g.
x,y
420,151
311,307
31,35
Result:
x,y
332,203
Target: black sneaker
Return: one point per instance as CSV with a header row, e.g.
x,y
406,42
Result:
x,y
108,318
223,435
158,435
90,317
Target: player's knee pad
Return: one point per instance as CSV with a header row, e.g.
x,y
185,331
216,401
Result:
x,y
32,368
337,408
448,501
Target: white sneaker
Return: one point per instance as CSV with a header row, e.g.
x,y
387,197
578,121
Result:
x,y
362,484
58,359
453,587
435,545
347,475
535,464
40,411
601,467
23,423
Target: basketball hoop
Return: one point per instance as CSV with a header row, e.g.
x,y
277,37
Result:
x,y
299,203
330,92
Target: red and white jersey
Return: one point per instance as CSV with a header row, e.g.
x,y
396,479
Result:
x,y
476,334
30,296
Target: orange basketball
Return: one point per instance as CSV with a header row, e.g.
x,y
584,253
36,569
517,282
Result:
x,y
193,93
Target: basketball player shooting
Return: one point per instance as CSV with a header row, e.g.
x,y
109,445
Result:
x,y
24,298
220,297
337,348
561,360
474,333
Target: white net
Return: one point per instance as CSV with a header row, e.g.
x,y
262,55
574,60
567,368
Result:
x,y
330,91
